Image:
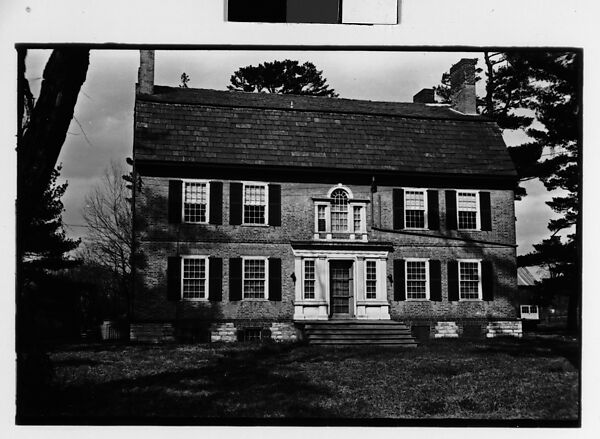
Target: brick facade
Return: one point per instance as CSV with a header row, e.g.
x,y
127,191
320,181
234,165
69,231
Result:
x,y
158,240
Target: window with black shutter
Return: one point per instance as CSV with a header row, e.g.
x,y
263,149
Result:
x,y
274,205
215,283
275,279
216,203
453,281
451,223
435,281
487,280
399,280
433,210
398,208
485,210
174,278
174,202
235,203
235,279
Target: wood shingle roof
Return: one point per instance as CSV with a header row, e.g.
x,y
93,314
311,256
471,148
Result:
x,y
253,129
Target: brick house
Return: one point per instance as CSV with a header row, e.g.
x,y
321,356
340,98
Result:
x,y
258,213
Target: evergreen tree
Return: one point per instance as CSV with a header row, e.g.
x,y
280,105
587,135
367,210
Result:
x,y
43,238
538,92
284,77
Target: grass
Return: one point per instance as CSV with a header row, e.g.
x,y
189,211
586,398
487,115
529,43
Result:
x,y
484,379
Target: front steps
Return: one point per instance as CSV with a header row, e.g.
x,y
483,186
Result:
x,y
358,332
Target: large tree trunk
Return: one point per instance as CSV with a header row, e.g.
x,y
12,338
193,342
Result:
x,y
41,134
41,142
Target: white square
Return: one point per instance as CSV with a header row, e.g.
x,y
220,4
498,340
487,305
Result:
x,y
370,12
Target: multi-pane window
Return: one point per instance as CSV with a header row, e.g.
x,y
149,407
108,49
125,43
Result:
x,y
309,279
469,280
416,280
339,211
255,203
414,207
321,218
254,278
357,213
194,278
467,210
195,202
371,280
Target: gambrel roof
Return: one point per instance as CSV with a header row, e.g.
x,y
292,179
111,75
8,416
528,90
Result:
x,y
254,129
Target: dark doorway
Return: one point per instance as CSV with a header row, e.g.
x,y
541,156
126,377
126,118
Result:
x,y
341,284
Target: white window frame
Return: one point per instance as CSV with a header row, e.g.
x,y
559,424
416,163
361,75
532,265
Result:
x,y
427,280
183,183
477,213
255,183
377,280
327,216
363,216
350,213
529,315
314,261
480,281
247,258
425,201
206,284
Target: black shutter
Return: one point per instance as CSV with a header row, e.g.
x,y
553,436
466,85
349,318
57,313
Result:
x,y
433,210
399,293
235,279
175,201
275,279
174,278
398,208
453,281
485,210
274,205
487,280
215,279
451,210
216,202
435,281
235,203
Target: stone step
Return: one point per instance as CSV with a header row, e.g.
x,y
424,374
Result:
x,y
390,343
358,332
365,332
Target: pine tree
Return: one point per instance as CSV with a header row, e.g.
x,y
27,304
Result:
x,y
284,77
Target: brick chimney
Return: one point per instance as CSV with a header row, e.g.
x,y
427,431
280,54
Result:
x,y
462,86
146,72
425,96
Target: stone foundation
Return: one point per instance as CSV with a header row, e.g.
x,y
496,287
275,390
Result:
x,y
283,332
445,330
151,332
511,328
223,332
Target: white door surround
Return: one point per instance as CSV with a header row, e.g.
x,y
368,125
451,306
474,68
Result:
x,y
319,306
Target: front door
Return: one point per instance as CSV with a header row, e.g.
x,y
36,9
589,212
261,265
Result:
x,y
341,287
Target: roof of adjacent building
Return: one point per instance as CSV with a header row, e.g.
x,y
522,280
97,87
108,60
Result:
x,y
237,128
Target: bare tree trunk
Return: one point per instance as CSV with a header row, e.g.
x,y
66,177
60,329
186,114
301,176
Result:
x,y
41,142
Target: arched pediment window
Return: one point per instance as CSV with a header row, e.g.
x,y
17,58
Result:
x,y
339,211
339,215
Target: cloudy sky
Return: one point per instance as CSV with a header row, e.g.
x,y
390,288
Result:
x,y
103,126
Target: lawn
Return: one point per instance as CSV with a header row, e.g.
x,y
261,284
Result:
x,y
499,379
